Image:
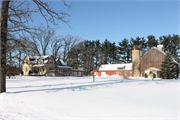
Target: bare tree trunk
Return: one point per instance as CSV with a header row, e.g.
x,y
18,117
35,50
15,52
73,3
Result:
x,y
4,19
19,59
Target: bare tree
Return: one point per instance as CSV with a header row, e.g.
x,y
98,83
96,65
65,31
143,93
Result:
x,y
69,42
14,19
41,38
4,21
56,44
97,68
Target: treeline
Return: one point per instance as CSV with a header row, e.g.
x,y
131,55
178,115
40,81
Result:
x,y
90,54
83,54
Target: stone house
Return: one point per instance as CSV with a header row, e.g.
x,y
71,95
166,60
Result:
x,y
47,65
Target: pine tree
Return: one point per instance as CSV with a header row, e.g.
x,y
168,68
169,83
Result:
x,y
123,51
168,69
106,51
151,42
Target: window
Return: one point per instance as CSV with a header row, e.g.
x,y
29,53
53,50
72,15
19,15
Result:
x,y
42,69
154,51
64,70
26,61
109,72
50,61
41,62
117,73
26,69
121,68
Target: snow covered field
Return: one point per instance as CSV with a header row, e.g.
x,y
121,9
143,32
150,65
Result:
x,y
69,98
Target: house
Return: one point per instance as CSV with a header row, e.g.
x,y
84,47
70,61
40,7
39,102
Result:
x,y
47,65
113,70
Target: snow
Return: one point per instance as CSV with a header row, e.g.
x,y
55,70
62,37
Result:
x,y
45,61
40,65
44,57
128,66
63,63
154,68
63,66
74,98
34,62
37,57
77,70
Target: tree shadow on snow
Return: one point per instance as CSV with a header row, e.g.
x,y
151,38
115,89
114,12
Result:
x,y
83,86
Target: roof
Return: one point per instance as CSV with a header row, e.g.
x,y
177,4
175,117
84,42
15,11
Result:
x,y
62,62
105,67
63,66
151,49
153,69
76,70
37,57
160,51
136,48
41,65
34,62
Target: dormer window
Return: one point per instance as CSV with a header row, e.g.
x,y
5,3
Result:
x,y
26,61
121,68
41,62
50,61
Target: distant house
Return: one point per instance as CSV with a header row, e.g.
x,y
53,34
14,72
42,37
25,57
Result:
x,y
47,65
113,70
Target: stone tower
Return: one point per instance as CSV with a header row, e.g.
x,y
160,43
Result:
x,y
136,61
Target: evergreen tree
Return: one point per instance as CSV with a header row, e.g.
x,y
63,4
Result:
x,y
166,42
151,42
123,50
140,42
174,45
106,51
113,53
143,46
98,53
168,69
135,42
170,43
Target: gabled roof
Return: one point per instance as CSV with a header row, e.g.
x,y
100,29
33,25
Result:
x,y
34,59
105,67
160,51
63,66
150,50
153,69
61,61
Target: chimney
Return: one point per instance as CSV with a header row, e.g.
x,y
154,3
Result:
x,y
160,47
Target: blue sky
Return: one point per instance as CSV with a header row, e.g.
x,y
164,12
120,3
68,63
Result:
x,y
116,20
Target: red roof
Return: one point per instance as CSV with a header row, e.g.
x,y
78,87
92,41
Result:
x,y
136,48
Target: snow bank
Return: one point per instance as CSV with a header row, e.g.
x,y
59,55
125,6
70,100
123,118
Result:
x,y
79,98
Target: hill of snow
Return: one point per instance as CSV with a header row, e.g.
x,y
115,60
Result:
x,y
31,97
